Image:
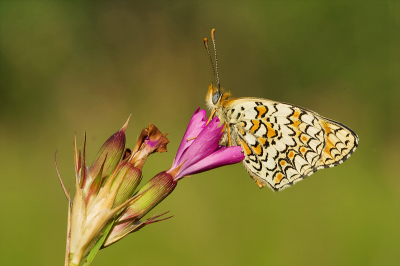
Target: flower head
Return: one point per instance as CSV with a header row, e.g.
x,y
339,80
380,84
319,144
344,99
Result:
x,y
106,208
107,188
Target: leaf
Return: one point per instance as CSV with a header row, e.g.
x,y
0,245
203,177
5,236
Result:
x,y
98,245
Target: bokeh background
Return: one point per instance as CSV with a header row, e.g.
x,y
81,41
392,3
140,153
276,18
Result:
x,y
71,66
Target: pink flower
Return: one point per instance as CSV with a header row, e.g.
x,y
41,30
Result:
x,y
200,150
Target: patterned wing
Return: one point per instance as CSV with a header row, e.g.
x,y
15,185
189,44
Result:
x,y
283,143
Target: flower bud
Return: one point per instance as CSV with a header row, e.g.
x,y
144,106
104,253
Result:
x,y
152,193
109,154
131,178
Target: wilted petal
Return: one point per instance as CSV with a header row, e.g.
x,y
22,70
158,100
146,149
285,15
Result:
x,y
156,141
151,140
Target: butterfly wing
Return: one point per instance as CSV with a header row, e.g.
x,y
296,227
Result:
x,y
283,143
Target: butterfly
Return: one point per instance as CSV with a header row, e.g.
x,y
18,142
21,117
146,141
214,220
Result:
x,y
282,143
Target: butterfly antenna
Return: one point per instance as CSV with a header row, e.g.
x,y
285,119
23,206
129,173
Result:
x,y
215,52
209,56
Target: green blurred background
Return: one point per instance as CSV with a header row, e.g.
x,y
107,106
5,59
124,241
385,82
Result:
x,y
71,66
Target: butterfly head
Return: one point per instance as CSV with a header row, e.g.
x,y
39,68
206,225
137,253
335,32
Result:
x,y
215,97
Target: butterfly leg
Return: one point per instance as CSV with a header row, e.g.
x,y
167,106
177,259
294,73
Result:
x,y
191,138
211,116
229,134
226,138
208,121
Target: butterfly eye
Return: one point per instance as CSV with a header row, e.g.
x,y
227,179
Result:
x,y
215,97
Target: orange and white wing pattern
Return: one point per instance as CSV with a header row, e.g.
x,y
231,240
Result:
x,y
283,143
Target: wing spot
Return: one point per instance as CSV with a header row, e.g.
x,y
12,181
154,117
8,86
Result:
x,y
261,111
271,132
258,149
326,127
256,126
296,123
278,178
245,147
296,115
262,141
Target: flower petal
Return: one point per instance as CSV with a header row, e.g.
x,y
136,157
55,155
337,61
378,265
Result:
x,y
204,145
196,125
223,156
